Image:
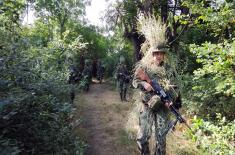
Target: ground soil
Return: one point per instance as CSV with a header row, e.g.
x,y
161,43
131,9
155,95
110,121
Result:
x,y
103,118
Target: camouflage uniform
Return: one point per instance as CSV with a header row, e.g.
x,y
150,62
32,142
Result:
x,y
86,75
153,111
123,79
74,77
100,71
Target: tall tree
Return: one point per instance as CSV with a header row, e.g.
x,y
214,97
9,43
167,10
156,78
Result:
x,y
61,10
124,15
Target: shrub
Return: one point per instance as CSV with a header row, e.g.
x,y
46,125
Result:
x,y
216,138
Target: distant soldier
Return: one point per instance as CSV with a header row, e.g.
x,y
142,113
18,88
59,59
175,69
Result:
x,y
74,77
100,71
87,75
75,74
123,78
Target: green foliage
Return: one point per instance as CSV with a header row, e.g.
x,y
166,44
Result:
x,y
118,48
211,88
217,61
130,13
214,138
10,11
98,44
40,34
211,59
217,17
35,104
60,11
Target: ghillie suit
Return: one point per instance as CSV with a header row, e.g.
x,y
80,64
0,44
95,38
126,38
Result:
x,y
152,111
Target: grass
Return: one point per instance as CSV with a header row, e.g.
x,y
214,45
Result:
x,y
180,145
124,141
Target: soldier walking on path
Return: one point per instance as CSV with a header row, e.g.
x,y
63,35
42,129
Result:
x,y
122,78
154,111
87,75
100,71
74,78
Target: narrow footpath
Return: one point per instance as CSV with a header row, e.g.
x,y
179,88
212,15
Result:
x,y
103,121
103,118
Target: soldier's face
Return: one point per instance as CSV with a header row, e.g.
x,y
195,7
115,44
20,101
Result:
x,y
158,57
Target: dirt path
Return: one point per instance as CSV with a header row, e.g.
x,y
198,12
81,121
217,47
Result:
x,y
104,118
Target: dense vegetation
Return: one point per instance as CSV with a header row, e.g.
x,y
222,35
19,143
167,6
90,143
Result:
x,y
201,36
35,104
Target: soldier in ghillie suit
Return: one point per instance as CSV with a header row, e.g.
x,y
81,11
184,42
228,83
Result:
x,y
123,78
153,111
87,75
100,71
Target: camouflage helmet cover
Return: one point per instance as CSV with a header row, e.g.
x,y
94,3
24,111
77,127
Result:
x,y
159,48
87,62
122,59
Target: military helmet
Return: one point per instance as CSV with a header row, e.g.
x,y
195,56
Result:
x,y
159,48
122,59
87,62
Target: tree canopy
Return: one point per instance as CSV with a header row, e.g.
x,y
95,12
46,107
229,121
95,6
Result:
x,y
35,104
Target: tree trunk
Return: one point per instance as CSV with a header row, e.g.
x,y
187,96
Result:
x,y
137,40
164,10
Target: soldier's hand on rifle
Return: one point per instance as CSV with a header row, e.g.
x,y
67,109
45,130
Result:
x,y
142,75
168,104
147,86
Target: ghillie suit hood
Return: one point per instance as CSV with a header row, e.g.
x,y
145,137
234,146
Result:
x,y
154,31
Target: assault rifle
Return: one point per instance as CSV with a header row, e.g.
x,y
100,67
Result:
x,y
164,98
125,77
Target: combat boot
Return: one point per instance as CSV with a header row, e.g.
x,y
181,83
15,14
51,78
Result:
x,y
144,149
160,148
121,96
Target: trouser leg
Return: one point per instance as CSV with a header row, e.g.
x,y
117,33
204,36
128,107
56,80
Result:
x,y
145,130
121,96
101,79
124,94
125,91
143,148
161,122
121,89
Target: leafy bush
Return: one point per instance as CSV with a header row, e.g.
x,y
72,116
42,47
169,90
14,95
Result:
x,y
215,138
218,62
35,104
36,109
212,88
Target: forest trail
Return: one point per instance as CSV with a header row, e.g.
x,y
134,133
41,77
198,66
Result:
x,y
104,118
